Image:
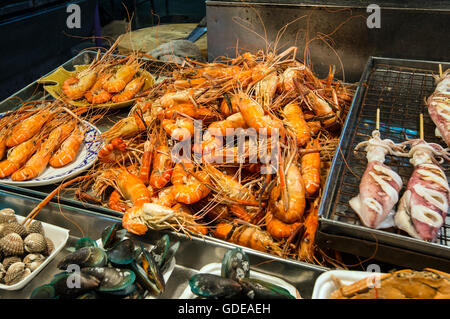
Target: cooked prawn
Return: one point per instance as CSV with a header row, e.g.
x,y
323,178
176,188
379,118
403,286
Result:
x,y
295,120
28,128
76,86
310,164
39,161
97,94
131,89
17,157
123,75
162,167
69,149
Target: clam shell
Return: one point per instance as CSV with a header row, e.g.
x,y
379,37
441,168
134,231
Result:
x,y
2,271
12,244
8,261
33,261
35,243
50,246
4,230
17,228
16,272
36,227
7,215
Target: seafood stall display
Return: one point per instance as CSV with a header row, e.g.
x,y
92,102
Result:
x,y
252,176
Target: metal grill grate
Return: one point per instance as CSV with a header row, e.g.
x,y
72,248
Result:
x,y
399,92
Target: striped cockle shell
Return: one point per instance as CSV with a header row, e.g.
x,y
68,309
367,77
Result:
x,y
12,245
33,261
15,273
7,215
36,227
35,243
18,229
50,246
8,261
5,230
2,271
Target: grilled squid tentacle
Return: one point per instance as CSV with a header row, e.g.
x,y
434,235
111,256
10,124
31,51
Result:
x,y
380,185
424,205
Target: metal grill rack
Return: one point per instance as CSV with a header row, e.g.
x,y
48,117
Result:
x,y
399,89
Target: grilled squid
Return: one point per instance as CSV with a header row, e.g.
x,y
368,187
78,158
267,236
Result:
x,y
439,107
380,185
423,207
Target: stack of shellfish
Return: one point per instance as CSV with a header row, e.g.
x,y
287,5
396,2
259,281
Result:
x,y
22,249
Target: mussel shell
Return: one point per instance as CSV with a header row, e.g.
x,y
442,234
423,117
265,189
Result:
x,y
121,253
127,291
143,279
259,289
170,255
111,279
160,249
235,264
214,286
85,242
43,292
85,257
153,271
12,245
110,236
74,284
89,295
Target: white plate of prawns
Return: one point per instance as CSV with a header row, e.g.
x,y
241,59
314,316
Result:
x,y
83,157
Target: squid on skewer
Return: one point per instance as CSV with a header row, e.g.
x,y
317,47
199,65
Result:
x,y
439,106
380,185
423,207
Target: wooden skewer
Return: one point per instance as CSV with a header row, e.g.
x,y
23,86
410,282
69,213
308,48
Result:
x,y
440,70
421,126
378,119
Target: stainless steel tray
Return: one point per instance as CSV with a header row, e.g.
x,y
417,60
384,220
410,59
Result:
x,y
398,87
193,254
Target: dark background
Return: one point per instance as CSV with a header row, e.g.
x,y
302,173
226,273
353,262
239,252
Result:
x,y
35,38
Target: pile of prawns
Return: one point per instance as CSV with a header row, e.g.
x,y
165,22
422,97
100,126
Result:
x,y
229,200
37,135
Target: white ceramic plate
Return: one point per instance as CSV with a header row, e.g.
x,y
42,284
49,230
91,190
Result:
x,y
86,157
325,286
59,238
215,269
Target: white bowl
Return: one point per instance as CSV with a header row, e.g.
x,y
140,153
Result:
x,y
325,286
58,236
215,269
